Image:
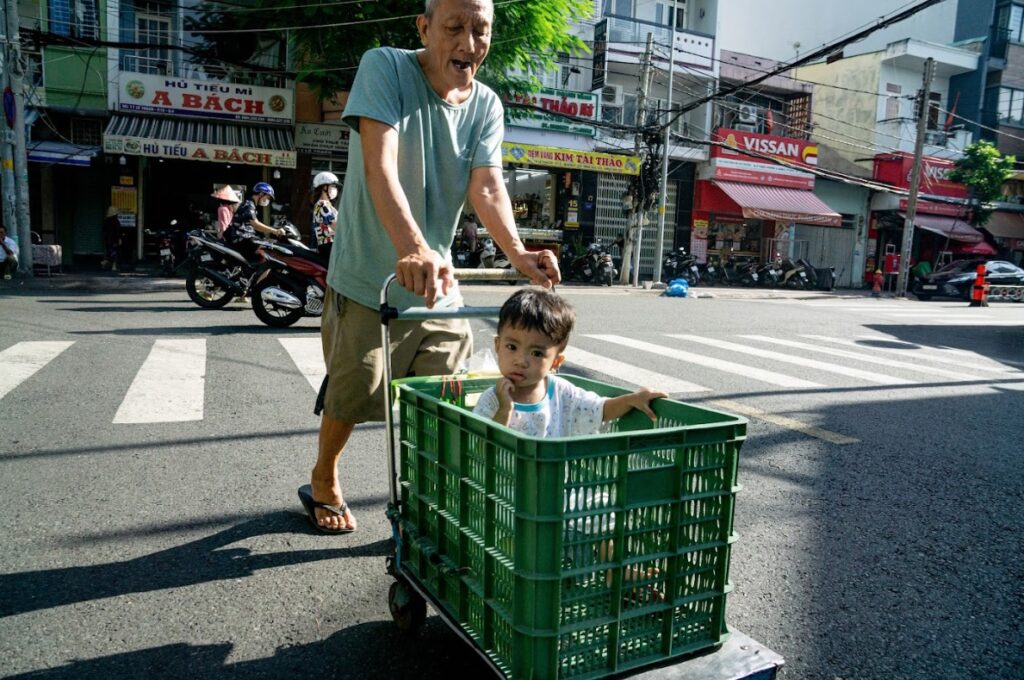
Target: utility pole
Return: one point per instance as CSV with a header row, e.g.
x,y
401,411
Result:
x,y
10,200
663,202
15,68
631,249
915,178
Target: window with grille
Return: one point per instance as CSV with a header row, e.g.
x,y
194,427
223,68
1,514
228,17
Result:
x,y
87,131
74,18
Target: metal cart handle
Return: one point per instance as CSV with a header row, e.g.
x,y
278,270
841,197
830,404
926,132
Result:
x,y
389,313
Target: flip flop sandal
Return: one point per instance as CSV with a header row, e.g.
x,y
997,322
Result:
x,y
306,496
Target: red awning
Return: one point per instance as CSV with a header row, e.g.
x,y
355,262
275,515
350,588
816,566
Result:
x,y
784,205
979,248
952,228
1006,224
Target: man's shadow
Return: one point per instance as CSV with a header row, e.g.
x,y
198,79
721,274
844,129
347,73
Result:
x,y
201,561
375,649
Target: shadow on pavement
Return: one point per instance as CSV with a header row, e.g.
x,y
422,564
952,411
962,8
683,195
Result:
x,y
255,328
366,651
201,561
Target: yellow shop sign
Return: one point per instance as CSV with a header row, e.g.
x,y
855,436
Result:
x,y
546,156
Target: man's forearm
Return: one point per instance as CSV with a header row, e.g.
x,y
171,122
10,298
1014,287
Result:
x,y
393,211
493,207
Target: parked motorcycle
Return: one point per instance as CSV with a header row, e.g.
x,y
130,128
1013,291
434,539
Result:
x,y
678,264
769,274
794,274
290,284
594,265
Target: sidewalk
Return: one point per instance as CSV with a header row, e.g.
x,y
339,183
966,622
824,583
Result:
x,y
141,280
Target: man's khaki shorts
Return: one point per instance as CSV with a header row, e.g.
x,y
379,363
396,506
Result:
x,y
350,334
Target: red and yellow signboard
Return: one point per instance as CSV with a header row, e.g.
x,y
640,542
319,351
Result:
x,y
751,157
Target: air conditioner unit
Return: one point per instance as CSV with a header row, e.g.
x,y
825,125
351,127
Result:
x,y
935,138
611,95
747,113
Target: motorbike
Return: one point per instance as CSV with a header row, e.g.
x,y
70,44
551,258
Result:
x,y
217,272
794,275
594,265
677,264
290,283
769,274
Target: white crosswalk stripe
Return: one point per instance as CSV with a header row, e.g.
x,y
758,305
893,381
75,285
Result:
x,y
169,387
308,355
629,373
751,372
872,377
860,356
20,362
956,357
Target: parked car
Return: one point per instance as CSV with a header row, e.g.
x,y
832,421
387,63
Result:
x,y
956,279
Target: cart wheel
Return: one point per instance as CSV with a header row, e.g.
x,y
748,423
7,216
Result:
x,y
408,609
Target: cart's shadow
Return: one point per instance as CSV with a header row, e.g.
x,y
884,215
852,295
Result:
x,y
365,651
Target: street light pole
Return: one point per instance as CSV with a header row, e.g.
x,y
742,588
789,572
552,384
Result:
x,y
15,69
631,251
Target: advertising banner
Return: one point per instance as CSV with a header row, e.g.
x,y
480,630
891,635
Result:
x,y
568,102
321,139
197,151
147,93
747,157
895,169
571,159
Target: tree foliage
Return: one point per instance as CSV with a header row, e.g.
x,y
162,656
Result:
x,y
528,36
983,170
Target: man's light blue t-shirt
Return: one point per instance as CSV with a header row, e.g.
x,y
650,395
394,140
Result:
x,y
439,144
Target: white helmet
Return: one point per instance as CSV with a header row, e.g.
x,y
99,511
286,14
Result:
x,y
323,179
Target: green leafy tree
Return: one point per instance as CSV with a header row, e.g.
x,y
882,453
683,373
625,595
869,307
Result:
x,y
983,170
528,36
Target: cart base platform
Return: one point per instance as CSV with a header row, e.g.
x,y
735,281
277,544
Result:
x,y
739,658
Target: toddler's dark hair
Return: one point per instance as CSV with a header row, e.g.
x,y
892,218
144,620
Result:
x,y
538,309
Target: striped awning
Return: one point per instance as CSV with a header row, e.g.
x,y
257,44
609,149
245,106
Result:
x,y
953,228
200,140
61,153
758,201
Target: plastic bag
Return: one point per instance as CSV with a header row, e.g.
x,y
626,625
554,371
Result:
x,y
677,288
481,364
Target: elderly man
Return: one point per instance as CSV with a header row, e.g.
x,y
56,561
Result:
x,y
425,136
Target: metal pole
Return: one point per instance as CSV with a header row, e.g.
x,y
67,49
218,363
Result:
x,y
10,201
660,245
915,180
15,70
631,252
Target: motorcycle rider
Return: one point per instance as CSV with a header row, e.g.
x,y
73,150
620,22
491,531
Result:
x,y
325,215
244,224
227,203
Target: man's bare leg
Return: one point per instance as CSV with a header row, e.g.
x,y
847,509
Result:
x,y
334,436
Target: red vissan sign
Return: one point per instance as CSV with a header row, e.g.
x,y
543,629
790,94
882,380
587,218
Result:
x,y
895,168
748,157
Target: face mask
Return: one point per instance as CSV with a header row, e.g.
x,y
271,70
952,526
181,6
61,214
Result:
x,y
264,202
332,193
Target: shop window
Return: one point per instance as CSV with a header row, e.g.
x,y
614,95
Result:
x,y
74,18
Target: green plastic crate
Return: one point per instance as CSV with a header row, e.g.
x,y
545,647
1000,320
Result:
x,y
572,557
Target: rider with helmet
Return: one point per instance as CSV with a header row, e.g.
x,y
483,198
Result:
x,y
325,215
244,223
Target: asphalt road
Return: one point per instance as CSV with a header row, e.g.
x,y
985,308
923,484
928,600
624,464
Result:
x,y
879,524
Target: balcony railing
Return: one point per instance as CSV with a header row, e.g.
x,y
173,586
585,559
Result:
x,y
135,63
692,49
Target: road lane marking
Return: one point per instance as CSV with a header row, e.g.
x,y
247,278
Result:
x,y
785,421
20,362
859,356
169,388
308,355
629,373
796,361
951,356
751,372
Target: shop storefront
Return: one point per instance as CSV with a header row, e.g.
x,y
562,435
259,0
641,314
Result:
x,y
175,140
1007,228
556,190
749,206
943,231
67,197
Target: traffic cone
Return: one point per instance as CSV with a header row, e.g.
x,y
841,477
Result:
x,y
979,293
